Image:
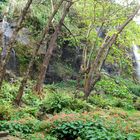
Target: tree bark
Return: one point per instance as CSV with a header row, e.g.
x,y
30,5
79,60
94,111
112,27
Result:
x,y
52,4
51,47
38,44
4,59
94,73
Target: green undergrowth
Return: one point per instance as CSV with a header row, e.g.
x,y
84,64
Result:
x,y
111,112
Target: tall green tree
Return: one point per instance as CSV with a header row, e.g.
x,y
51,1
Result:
x,y
96,66
44,38
52,45
4,60
98,19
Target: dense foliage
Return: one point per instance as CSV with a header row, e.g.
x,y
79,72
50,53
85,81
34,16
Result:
x,y
60,110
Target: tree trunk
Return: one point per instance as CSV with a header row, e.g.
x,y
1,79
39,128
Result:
x,y
3,60
51,47
38,44
52,4
94,73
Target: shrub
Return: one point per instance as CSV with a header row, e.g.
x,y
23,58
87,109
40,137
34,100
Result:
x,y
56,102
13,127
8,91
31,99
137,104
113,125
22,126
80,105
113,87
99,101
86,130
125,103
135,89
6,111
106,101
27,111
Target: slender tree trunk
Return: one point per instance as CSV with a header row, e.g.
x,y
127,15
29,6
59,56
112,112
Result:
x,y
38,44
51,47
94,73
52,3
4,59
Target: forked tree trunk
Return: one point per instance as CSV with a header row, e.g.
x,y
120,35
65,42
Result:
x,y
51,47
38,44
94,73
4,60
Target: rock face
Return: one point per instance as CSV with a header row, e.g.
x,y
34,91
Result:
x,y
7,34
22,38
6,136
111,69
3,134
64,65
9,138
